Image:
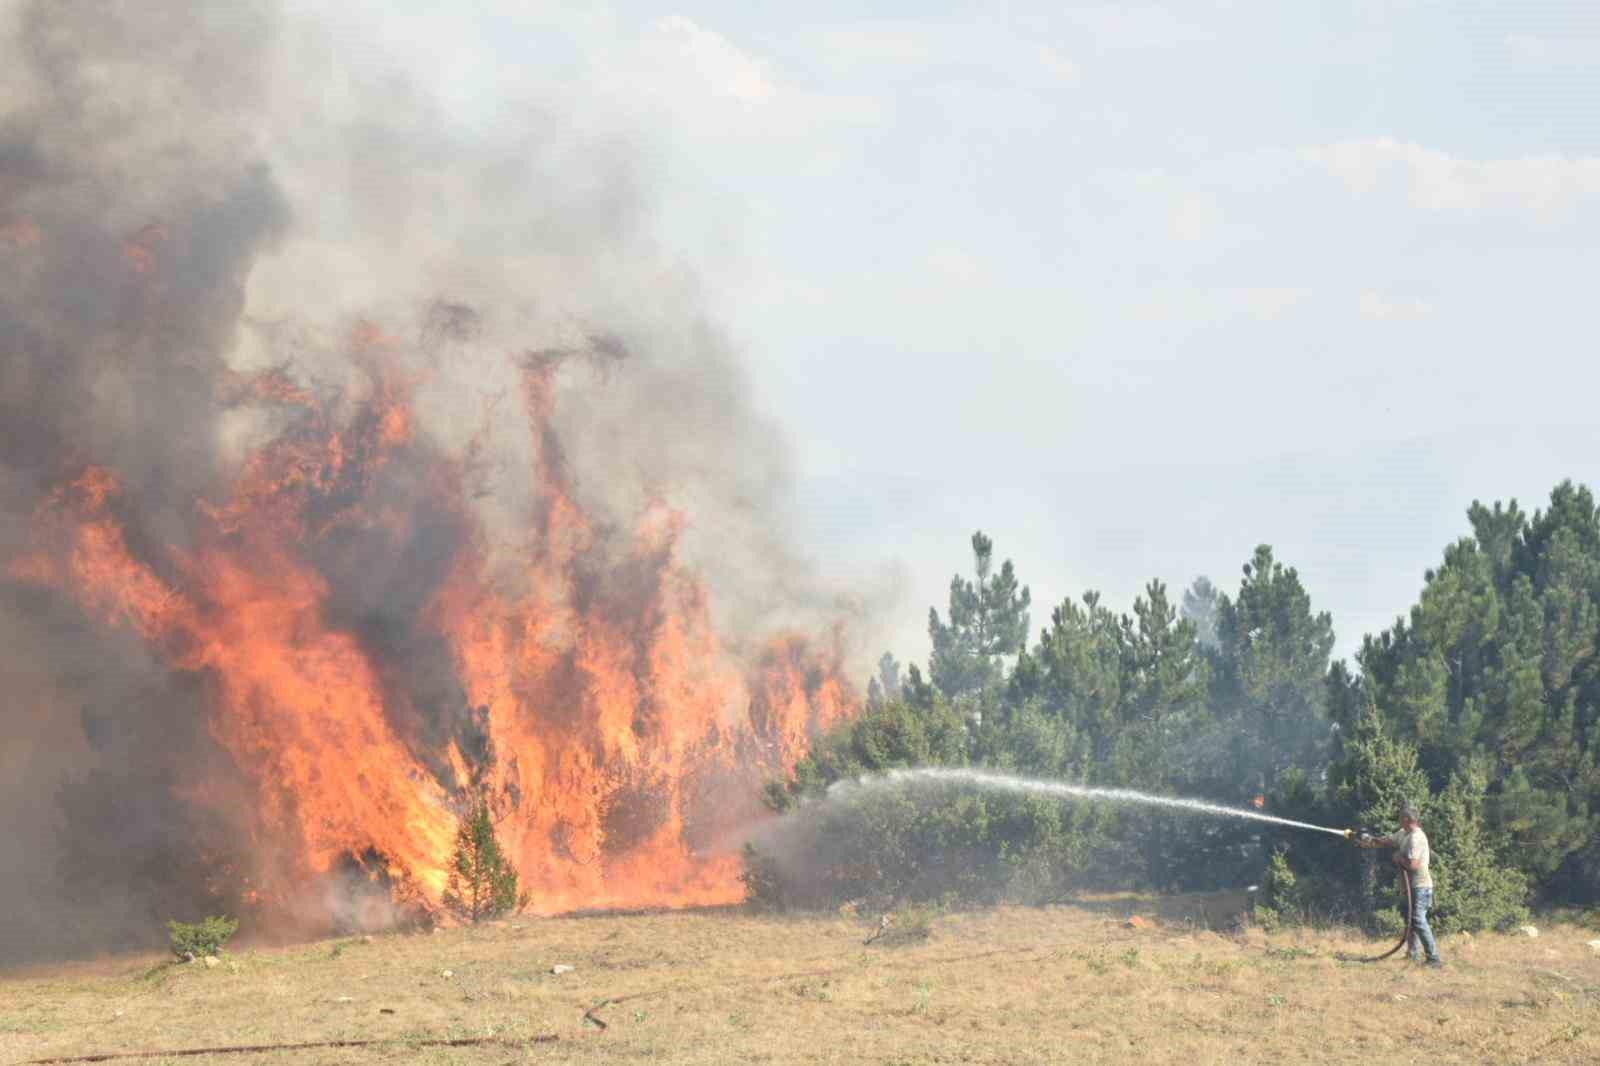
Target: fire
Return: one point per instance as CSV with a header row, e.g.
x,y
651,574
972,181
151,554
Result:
x,y
19,233
141,249
617,734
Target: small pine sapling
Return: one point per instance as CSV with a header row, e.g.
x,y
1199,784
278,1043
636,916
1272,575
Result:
x,y
483,882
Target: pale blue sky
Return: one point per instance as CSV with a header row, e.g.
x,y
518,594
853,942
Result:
x,y
1132,287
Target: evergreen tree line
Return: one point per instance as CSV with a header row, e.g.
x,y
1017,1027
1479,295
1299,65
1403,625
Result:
x,y
1481,706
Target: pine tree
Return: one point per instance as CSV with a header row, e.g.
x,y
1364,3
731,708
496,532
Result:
x,y
1200,602
483,883
1282,897
1376,776
1473,889
1498,668
988,623
1271,666
885,684
1076,673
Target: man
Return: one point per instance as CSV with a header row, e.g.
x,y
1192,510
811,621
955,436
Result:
x,y
1411,854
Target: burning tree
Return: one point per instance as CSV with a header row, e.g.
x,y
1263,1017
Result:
x,y
483,883
326,557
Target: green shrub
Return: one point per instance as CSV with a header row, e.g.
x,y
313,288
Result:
x,y
1475,889
1266,917
483,883
1389,921
198,939
1282,899
922,842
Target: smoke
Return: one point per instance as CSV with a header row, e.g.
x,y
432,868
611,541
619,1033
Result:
x,y
123,139
200,207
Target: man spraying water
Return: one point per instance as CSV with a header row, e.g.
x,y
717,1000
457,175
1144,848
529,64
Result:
x,y
1411,854
1410,843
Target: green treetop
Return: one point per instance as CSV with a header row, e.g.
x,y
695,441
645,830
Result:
x,y
988,622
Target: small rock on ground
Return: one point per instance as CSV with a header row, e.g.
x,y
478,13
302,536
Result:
x,y
1528,930
212,962
561,968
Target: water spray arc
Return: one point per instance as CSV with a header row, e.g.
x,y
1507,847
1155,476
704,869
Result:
x,y
998,782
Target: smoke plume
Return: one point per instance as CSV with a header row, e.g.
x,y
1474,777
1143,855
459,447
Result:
x,y
353,461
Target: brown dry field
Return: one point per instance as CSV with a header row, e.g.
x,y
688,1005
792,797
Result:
x,y
1070,983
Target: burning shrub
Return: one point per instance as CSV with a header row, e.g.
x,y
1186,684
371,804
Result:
x,y
198,939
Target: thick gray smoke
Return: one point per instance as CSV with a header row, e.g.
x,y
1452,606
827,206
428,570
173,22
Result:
x,y
191,193
123,131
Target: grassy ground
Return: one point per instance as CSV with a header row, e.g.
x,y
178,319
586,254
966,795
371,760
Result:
x,y
1070,983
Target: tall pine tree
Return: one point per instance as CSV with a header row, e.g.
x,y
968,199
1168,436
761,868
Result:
x,y
1495,676
1270,667
988,623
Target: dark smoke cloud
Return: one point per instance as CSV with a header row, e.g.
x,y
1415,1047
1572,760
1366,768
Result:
x,y
123,139
191,192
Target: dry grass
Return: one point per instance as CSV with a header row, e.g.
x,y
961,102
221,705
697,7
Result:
x,y
1061,984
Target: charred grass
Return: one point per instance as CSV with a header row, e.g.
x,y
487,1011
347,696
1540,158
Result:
x,y
1069,983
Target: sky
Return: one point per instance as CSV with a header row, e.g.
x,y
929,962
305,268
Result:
x,y
1130,287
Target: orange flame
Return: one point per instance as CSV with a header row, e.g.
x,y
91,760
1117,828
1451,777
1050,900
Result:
x,y
619,740
20,233
141,249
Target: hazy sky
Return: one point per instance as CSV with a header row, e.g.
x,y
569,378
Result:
x,y
1133,287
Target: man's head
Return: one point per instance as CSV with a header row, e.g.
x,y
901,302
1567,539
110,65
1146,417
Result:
x,y
1409,817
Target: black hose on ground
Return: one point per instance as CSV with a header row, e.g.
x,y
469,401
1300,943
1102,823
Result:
x,y
1405,930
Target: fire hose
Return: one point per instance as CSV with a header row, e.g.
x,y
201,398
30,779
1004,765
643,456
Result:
x,y
1405,927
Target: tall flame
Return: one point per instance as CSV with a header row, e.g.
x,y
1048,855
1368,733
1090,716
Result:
x,y
588,695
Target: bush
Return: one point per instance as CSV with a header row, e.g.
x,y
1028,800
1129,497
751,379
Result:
x,y
912,925
1282,900
917,842
763,884
921,841
199,939
1475,890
